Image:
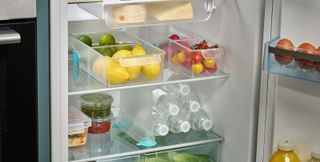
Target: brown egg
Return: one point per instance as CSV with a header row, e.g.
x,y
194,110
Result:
x,y
308,49
285,44
317,64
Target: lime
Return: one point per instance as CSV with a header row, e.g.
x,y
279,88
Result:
x,y
106,51
107,39
123,46
86,40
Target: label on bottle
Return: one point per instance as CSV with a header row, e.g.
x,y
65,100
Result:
x,y
166,74
156,94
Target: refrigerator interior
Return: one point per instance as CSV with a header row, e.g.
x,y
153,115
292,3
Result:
x,y
231,102
290,110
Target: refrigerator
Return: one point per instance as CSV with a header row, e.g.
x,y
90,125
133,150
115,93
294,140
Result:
x,y
253,100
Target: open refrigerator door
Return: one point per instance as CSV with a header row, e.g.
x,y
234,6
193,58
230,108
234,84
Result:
x,y
290,79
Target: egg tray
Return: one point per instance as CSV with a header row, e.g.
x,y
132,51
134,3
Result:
x,y
292,69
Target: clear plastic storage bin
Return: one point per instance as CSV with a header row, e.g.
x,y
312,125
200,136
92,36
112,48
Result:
x,y
118,13
294,63
78,124
127,61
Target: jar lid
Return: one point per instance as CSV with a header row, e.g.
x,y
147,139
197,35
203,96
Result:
x,y
96,100
163,130
286,145
315,152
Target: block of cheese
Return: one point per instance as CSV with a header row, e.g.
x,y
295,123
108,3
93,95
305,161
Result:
x,y
129,13
171,10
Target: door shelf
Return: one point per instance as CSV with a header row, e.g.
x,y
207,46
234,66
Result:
x,y
117,146
293,63
121,14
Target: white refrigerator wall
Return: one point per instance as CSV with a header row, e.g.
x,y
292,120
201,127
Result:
x,y
237,25
296,104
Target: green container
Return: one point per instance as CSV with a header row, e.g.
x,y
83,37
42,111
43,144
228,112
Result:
x,y
96,106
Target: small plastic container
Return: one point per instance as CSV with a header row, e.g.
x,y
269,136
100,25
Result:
x,y
100,125
129,66
78,124
186,56
97,105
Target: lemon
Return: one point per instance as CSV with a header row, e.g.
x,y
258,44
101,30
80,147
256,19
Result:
x,y
138,50
117,74
122,53
107,39
134,71
151,71
99,67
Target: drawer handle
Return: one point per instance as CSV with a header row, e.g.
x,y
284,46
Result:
x,y
9,36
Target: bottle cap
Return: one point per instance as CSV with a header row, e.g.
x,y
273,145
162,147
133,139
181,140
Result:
x,y
163,130
185,89
185,127
207,124
173,110
315,152
286,145
194,106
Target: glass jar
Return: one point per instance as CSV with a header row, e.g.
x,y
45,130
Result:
x,y
96,106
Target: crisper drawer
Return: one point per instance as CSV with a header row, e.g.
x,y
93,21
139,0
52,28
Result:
x,y
186,52
118,13
135,158
203,153
115,58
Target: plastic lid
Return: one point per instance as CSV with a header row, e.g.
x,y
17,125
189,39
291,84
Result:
x,y
173,110
286,145
96,100
315,152
185,126
207,124
194,106
184,89
163,130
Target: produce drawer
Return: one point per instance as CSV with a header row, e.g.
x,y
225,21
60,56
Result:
x,y
186,52
202,153
125,61
119,13
294,62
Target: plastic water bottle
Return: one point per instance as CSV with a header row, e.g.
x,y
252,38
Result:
x,y
159,124
178,123
190,103
200,120
315,155
164,103
179,89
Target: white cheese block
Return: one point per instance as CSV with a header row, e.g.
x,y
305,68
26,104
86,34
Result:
x,y
129,13
171,11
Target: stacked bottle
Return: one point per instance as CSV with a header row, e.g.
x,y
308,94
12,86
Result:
x,y
285,152
315,155
181,108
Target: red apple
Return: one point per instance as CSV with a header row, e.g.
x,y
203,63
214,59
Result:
x,y
174,37
212,69
187,62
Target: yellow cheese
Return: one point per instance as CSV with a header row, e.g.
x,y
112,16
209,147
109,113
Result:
x,y
129,13
171,11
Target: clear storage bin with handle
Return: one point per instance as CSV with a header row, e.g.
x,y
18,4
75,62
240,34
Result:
x,y
116,60
119,13
78,124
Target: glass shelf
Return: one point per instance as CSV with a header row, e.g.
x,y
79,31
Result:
x,y
87,84
117,145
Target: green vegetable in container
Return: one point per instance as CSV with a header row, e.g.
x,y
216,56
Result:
x,y
96,106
